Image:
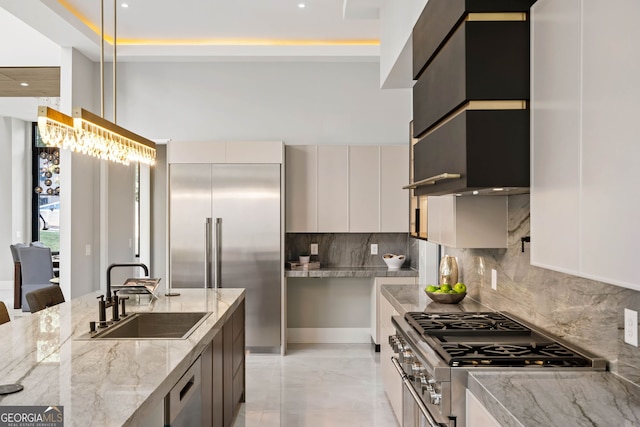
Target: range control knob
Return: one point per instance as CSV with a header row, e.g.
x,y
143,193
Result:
x,y
393,342
435,397
396,343
417,369
421,382
407,357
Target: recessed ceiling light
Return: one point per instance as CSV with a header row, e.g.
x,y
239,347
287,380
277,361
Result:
x,y
302,5
25,84
125,5
476,192
498,189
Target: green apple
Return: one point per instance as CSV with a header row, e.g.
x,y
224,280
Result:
x,y
460,288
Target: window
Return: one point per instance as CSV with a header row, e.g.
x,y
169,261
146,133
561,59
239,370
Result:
x,y
45,201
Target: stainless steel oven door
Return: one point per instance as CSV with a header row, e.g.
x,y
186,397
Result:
x,y
414,412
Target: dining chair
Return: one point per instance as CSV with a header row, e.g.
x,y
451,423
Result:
x,y
17,275
4,314
36,270
44,297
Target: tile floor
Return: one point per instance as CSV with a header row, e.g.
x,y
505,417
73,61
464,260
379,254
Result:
x,y
321,385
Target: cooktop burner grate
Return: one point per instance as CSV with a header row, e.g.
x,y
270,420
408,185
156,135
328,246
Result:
x,y
505,354
462,323
490,339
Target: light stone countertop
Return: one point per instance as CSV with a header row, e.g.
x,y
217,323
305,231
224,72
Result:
x,y
558,399
405,298
541,398
106,382
352,272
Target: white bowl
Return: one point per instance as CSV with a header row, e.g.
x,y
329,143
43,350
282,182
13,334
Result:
x,y
394,262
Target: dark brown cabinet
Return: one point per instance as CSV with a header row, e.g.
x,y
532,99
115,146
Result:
x,y
233,365
486,148
481,61
470,103
223,384
439,19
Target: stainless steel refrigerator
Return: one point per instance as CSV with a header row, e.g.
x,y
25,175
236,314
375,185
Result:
x,y
240,248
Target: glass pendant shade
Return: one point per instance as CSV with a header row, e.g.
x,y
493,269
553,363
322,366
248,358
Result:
x,y
90,134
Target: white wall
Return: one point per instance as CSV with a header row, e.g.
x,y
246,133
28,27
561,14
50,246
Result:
x,y
6,265
120,202
397,19
33,50
14,192
21,181
298,103
80,185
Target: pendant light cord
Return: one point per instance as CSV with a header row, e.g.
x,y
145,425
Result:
x,y
115,43
102,58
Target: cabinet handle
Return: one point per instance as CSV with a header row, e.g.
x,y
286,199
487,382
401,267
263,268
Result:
x,y
431,180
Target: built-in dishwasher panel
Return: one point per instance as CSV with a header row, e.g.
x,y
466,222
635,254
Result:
x,y
183,404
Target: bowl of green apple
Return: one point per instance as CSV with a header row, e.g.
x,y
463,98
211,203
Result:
x,y
446,293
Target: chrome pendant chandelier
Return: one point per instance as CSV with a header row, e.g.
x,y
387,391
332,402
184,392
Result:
x,y
90,134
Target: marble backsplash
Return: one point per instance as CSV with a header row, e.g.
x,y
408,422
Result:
x,y
584,312
350,249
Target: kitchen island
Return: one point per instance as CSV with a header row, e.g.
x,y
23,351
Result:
x,y
530,398
106,382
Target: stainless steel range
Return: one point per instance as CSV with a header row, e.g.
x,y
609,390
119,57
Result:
x,y
435,352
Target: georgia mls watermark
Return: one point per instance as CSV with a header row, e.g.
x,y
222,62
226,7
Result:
x,y
31,416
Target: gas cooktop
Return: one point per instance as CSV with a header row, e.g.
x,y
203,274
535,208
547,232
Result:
x,y
491,339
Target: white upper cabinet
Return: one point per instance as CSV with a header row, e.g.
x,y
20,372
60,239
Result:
x,y
468,222
555,135
301,188
364,189
252,152
357,189
333,189
394,201
610,145
586,157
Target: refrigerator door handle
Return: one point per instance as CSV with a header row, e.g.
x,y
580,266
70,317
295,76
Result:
x,y
217,253
208,252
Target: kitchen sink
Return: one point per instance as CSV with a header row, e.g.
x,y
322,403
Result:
x,y
153,326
